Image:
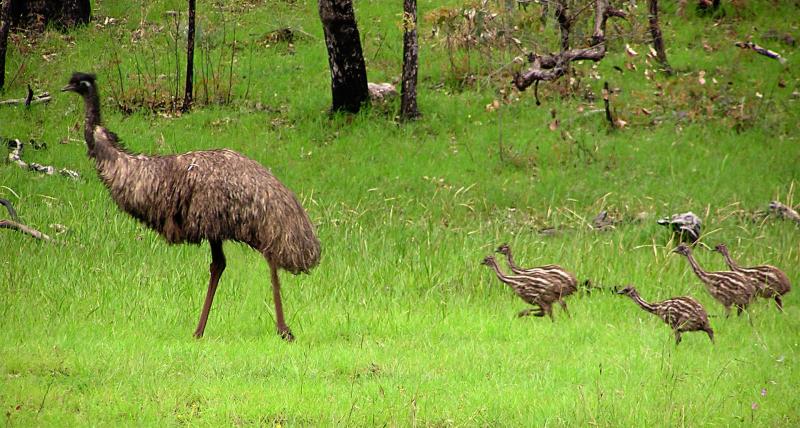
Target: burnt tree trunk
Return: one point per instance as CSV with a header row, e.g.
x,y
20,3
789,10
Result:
x,y
5,24
658,39
345,58
37,14
187,95
408,100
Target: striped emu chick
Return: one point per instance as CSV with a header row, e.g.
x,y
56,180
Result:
x,y
531,290
681,313
553,276
212,195
729,288
772,283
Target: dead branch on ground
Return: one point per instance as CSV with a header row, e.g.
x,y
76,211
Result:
x,y
44,97
15,157
762,50
14,224
783,211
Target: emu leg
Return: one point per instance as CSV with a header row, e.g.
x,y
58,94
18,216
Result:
x,y
217,266
677,337
564,307
778,302
537,312
283,330
710,333
548,309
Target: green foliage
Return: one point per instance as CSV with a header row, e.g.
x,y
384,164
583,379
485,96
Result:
x,y
400,325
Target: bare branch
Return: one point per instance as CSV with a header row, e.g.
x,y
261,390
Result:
x,y
763,51
551,67
28,100
13,225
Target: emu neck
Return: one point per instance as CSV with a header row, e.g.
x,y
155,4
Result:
x,y
91,102
499,273
696,268
644,305
510,259
729,261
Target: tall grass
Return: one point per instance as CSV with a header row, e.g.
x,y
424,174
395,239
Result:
x,y
400,325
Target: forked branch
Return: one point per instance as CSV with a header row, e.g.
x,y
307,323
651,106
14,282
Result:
x,y
552,66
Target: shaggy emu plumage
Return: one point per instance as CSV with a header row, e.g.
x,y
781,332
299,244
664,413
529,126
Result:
x,y
772,282
681,313
213,195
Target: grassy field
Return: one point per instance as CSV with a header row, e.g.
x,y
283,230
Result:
x,y
400,325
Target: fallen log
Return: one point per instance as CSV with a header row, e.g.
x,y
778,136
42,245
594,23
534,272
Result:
x,y
762,50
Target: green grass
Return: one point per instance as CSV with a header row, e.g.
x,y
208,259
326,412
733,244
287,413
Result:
x,y
400,325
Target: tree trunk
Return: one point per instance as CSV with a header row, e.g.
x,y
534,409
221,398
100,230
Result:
x,y
5,7
564,23
187,95
37,14
346,61
658,39
408,101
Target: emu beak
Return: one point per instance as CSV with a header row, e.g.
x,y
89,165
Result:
x,y
68,88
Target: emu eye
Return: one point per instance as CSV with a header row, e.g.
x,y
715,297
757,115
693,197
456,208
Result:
x,y
85,83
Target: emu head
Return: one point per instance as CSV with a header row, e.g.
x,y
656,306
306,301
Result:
x,y
628,291
81,83
721,248
488,261
683,249
503,249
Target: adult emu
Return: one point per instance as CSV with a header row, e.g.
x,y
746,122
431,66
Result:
x,y
213,195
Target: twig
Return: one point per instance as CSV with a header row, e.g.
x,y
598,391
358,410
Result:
x,y
29,97
28,100
6,203
763,51
19,227
14,224
230,71
606,102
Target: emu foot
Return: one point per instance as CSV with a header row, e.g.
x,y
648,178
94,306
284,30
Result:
x,y
286,334
532,311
